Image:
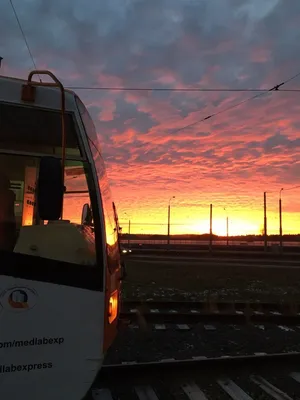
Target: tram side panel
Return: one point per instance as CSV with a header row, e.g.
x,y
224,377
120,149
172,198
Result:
x,y
113,273
113,266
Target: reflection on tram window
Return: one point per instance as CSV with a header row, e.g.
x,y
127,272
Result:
x,y
76,196
77,192
109,216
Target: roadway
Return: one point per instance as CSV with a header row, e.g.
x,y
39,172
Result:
x,y
156,246
223,253
211,261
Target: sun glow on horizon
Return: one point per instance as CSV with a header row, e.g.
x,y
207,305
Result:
x,y
235,228
243,222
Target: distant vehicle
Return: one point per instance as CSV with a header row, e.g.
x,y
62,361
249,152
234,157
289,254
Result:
x,y
126,251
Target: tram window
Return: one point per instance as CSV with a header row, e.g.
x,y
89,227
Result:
x,y
18,176
76,196
35,130
77,192
17,196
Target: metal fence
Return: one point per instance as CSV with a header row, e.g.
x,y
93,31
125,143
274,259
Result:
x,y
183,234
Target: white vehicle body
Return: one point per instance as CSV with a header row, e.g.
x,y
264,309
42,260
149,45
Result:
x,y
59,280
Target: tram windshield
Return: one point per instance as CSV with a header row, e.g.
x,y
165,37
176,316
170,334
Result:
x,y
28,129
27,134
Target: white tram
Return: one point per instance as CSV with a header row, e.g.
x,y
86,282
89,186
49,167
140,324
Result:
x,y
60,269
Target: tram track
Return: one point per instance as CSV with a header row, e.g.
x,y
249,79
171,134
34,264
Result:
x,y
221,360
207,311
257,376
198,362
156,340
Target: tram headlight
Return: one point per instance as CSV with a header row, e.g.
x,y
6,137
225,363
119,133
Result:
x,y
113,307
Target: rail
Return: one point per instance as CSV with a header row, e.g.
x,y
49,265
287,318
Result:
x,y
249,377
207,311
199,362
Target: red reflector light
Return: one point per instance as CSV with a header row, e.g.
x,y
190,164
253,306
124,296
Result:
x,y
113,307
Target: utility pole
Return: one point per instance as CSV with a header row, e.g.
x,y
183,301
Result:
x,y
169,215
129,223
1,58
227,230
128,234
210,227
280,214
265,222
169,219
280,220
227,227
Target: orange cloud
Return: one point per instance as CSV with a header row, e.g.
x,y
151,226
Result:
x,y
228,160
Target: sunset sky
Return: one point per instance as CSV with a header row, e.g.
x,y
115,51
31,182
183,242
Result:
x,y
228,160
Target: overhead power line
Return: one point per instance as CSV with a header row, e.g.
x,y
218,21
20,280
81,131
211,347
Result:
x,y
156,89
24,36
260,91
274,88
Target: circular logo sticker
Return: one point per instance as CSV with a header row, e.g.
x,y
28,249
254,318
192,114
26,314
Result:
x,y
18,299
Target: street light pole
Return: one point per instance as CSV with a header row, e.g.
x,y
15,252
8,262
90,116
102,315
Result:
x,y
129,233
227,230
169,218
265,221
280,213
227,227
129,223
210,227
280,219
